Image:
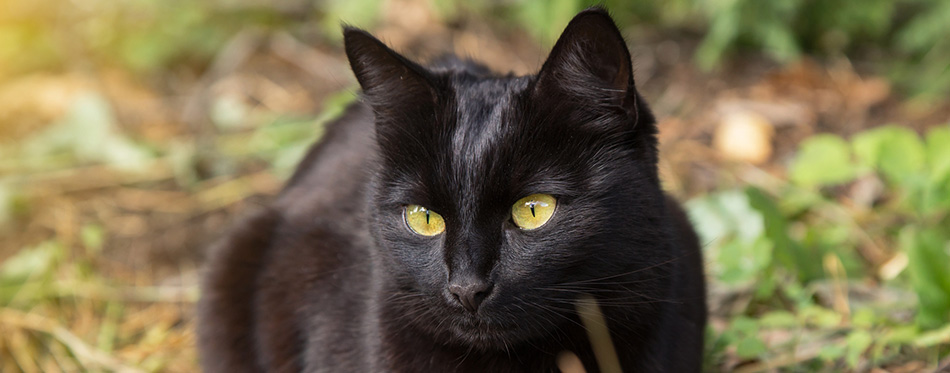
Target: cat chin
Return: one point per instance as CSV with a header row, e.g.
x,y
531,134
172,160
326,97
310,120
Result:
x,y
488,338
485,334
491,328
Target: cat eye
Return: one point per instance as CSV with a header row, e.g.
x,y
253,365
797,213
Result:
x,y
423,221
533,211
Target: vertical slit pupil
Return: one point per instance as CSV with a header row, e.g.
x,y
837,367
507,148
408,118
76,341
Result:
x,y
532,210
427,217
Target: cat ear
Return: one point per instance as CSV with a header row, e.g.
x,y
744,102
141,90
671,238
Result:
x,y
391,83
590,61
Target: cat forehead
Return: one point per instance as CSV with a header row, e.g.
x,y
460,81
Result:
x,y
480,107
474,94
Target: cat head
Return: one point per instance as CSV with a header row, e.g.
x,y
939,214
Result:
x,y
460,150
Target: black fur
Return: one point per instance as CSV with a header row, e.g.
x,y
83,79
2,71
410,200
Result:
x,y
329,278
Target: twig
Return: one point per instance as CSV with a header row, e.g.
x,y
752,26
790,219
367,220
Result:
x,y
236,190
93,177
839,284
150,294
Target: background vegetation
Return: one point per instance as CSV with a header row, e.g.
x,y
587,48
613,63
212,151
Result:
x,y
810,139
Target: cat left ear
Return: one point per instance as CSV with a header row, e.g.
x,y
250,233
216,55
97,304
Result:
x,y
391,82
590,61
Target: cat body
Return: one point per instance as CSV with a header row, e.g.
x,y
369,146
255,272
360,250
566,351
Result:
x,y
329,277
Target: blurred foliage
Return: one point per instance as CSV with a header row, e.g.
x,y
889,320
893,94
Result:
x,y
88,134
789,244
282,143
907,36
912,34
150,35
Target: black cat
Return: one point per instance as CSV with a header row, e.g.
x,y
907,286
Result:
x,y
451,221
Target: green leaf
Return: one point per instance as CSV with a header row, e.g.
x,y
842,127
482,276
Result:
x,y
926,29
778,319
858,341
744,330
750,347
29,266
743,262
901,335
935,337
788,252
779,41
766,283
723,31
29,262
744,325
936,197
895,151
938,152
928,252
820,316
863,318
795,201
823,160
708,220
832,352
734,231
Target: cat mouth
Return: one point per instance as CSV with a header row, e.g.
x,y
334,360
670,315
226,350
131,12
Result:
x,y
493,326
486,332
475,323
485,336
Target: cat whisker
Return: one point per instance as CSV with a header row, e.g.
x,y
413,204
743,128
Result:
x,y
552,309
600,284
595,280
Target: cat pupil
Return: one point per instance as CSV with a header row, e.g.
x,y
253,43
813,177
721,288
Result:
x,y
427,217
532,210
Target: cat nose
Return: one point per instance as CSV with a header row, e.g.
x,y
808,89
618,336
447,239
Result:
x,y
470,293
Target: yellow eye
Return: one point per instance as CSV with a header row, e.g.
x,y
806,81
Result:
x,y
533,211
423,221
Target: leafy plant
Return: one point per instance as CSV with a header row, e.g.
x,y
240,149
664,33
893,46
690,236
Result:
x,y
784,29
787,243
919,178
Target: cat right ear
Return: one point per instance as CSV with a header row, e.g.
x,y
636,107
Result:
x,y
392,84
590,62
